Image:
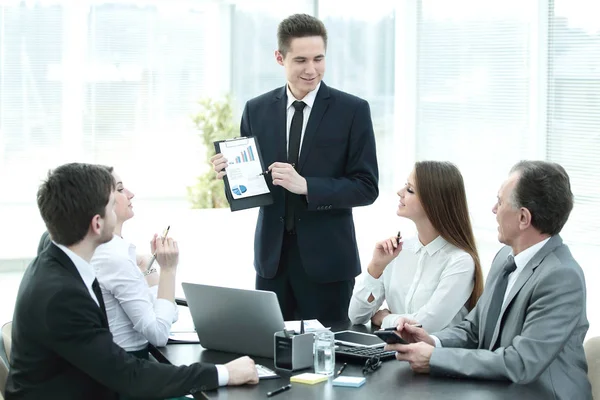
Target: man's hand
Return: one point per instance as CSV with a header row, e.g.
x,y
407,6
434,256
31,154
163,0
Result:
x,y
219,163
417,355
411,333
286,176
377,319
241,371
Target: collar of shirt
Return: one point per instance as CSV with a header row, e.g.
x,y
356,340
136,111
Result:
x,y
436,245
309,99
523,258
83,267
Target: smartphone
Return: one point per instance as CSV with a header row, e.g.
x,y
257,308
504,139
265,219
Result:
x,y
390,337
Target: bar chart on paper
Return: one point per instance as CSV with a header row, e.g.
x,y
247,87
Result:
x,y
245,155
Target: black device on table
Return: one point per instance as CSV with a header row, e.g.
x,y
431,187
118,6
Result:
x,y
390,336
360,347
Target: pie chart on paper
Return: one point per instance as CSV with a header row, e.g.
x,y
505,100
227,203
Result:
x,y
239,190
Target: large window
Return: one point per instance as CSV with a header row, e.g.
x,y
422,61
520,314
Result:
x,y
574,109
474,98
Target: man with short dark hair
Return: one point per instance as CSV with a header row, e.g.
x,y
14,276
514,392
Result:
x,y
530,322
62,347
319,145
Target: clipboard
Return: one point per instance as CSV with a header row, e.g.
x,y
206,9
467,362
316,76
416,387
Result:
x,y
253,154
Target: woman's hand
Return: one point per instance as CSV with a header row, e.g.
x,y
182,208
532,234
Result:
x,y
167,253
385,251
377,319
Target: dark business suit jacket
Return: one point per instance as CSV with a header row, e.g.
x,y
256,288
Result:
x,y
541,331
63,349
339,163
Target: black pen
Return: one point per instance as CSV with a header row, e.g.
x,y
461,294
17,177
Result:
x,y
267,172
302,327
280,390
398,238
342,369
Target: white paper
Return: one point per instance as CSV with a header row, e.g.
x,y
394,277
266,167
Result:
x,y
184,336
243,169
310,325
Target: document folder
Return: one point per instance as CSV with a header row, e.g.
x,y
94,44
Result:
x,y
246,188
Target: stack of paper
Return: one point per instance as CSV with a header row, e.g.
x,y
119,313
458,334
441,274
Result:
x,y
310,325
309,378
349,381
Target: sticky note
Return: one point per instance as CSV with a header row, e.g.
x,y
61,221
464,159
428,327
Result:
x,y
309,378
349,381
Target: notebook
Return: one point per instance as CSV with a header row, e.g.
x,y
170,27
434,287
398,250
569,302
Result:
x,y
349,381
309,378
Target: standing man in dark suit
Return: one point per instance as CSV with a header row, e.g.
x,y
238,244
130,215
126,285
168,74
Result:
x,y
530,322
62,347
320,148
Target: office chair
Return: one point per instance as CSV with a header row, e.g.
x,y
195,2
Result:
x,y
5,347
592,354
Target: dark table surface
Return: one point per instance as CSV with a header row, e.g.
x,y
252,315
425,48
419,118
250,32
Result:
x,y
393,380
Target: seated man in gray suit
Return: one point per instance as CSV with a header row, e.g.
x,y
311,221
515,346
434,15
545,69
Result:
x,y
530,322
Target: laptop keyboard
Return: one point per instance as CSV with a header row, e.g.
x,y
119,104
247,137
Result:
x,y
364,353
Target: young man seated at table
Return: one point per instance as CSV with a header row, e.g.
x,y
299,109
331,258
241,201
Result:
x,y
62,347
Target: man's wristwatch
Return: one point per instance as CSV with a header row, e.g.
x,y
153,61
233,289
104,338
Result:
x,y
151,270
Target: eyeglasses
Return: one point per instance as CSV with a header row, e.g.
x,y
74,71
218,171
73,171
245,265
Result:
x,y
371,365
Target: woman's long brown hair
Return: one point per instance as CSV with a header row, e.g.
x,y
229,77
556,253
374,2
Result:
x,y
441,190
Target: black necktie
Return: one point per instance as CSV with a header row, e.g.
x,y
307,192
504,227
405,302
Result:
x,y
496,302
293,149
98,293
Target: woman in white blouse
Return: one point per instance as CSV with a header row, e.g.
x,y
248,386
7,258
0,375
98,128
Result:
x,y
140,305
434,278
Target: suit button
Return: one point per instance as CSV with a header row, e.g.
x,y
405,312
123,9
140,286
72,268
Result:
x,y
280,219
202,387
193,390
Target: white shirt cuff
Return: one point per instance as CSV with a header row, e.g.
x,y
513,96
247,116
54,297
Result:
x,y
373,286
390,321
437,341
223,374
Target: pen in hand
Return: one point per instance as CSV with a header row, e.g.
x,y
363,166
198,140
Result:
x,y
280,390
398,238
393,328
342,368
154,255
267,172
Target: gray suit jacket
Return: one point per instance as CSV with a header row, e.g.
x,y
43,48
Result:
x,y
540,338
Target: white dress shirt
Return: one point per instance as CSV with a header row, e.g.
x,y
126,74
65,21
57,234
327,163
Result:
x,y
309,100
135,315
521,260
83,267
430,284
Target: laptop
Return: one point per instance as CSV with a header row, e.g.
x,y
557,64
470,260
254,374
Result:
x,y
234,320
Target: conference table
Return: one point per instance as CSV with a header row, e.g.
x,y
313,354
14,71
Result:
x,y
393,380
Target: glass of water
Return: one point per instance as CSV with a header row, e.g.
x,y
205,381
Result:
x,y
324,353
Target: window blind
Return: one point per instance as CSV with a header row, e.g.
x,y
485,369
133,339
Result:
x,y
573,138
111,82
473,91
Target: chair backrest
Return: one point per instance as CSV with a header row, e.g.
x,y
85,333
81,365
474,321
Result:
x,y
7,338
592,354
5,347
